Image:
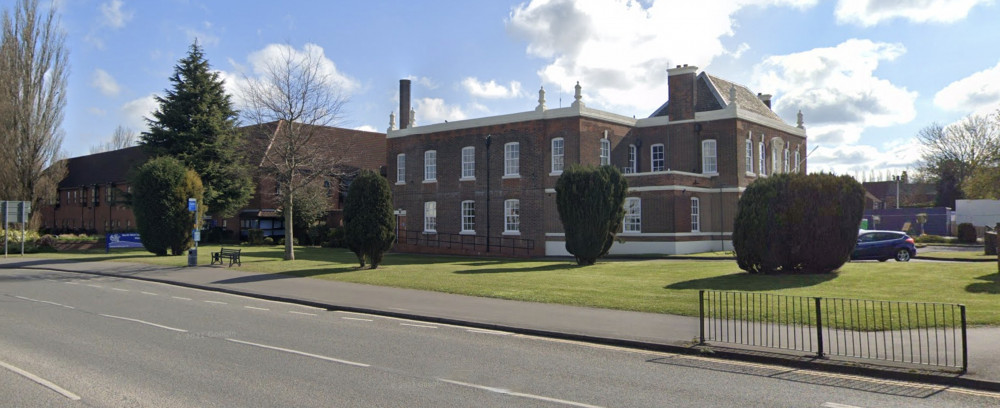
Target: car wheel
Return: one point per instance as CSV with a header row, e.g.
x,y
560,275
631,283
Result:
x,y
902,255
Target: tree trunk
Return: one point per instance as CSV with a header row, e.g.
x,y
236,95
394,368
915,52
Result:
x,y
289,227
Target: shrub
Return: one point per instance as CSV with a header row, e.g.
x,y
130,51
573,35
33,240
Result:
x,y
281,241
318,234
255,236
336,238
160,190
46,241
369,223
268,241
966,233
931,239
589,200
797,223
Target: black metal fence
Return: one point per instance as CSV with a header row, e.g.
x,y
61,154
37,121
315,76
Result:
x,y
465,242
907,332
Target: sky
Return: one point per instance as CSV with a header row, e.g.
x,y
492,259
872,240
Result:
x,y
866,74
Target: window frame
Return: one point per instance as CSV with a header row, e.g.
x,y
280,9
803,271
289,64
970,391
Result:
x,y
512,219
633,159
762,158
401,168
748,166
512,160
652,157
632,222
797,159
468,163
430,166
430,217
706,161
467,217
695,214
561,155
605,152
785,166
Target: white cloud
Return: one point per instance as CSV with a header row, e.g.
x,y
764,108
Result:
x,y
135,112
113,15
203,35
977,93
619,50
861,159
434,110
872,12
423,81
366,128
271,53
104,82
837,90
491,89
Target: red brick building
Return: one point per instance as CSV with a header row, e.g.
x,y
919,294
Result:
x,y
91,200
487,186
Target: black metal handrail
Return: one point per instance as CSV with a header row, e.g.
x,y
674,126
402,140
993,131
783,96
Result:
x,y
467,242
908,332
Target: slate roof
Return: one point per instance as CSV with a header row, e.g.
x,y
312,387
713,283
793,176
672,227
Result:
x,y
713,94
102,168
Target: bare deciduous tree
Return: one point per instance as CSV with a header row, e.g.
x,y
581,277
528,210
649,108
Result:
x,y
33,75
122,137
296,99
953,154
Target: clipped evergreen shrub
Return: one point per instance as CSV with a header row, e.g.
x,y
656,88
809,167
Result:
x,y
796,223
160,191
369,222
966,233
590,203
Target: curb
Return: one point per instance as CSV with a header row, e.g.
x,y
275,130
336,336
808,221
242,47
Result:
x,y
690,349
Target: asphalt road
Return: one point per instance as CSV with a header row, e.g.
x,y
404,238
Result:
x,y
79,340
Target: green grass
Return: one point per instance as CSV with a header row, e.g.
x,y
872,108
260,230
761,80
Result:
x,y
964,255
656,285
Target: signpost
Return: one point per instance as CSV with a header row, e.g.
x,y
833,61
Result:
x,y
195,233
14,211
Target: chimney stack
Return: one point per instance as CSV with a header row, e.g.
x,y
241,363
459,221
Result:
x,y
681,92
766,98
404,103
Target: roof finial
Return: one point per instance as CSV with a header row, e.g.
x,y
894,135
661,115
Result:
x,y
732,94
413,117
541,100
799,116
392,120
578,96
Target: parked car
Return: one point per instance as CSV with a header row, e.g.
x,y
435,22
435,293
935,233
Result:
x,y
883,245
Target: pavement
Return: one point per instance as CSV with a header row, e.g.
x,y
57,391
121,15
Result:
x,y
648,331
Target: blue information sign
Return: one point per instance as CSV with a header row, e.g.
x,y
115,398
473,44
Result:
x,y
122,240
192,205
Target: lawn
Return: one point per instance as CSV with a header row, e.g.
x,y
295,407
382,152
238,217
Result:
x,y
648,285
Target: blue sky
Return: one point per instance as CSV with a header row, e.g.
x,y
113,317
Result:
x,y
867,74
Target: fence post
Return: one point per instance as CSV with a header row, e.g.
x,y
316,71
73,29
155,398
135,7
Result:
x,y
965,344
819,328
701,316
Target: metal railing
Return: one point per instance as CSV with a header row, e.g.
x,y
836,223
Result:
x,y
466,242
906,332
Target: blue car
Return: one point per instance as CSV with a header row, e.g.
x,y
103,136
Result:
x,y
883,245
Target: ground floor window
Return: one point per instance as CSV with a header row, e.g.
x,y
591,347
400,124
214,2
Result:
x,y
633,215
430,216
512,216
695,215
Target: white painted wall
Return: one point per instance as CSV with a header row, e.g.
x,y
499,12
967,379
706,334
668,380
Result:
x,y
558,248
977,212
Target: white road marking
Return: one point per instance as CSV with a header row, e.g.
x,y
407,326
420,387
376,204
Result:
x,y
256,308
215,302
399,308
493,332
44,301
836,405
355,318
96,286
46,383
302,313
301,353
239,296
146,323
120,289
418,325
180,298
519,394
72,283
149,293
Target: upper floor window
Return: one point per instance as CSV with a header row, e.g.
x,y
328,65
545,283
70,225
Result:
x,y
430,165
709,163
633,155
401,168
468,216
761,158
512,159
695,214
511,216
657,161
749,161
605,152
633,215
468,162
558,152
785,161
797,160
430,216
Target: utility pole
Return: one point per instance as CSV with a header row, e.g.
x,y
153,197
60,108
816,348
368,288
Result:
x,y
896,178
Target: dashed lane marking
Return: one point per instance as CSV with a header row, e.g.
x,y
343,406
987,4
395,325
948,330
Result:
x,y
145,322
255,308
45,301
355,318
45,383
418,325
302,313
215,302
301,353
519,394
180,298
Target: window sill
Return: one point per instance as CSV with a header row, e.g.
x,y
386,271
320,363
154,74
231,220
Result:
x,y
712,174
467,179
631,233
751,174
556,173
430,232
400,183
430,181
512,233
472,232
511,176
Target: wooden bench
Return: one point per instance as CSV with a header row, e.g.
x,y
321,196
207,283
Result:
x,y
232,254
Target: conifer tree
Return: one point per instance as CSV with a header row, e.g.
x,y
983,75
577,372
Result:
x,y
196,123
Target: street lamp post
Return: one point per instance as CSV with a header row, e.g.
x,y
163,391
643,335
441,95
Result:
x,y
896,178
488,141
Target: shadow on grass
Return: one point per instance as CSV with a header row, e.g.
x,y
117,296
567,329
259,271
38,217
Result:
x,y
514,269
990,284
751,282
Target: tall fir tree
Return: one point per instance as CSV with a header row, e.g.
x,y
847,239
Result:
x,y
196,123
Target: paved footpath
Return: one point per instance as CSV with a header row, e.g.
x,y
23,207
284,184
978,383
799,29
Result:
x,y
632,329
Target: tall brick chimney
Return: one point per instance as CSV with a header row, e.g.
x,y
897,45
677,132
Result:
x,y
682,95
404,103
